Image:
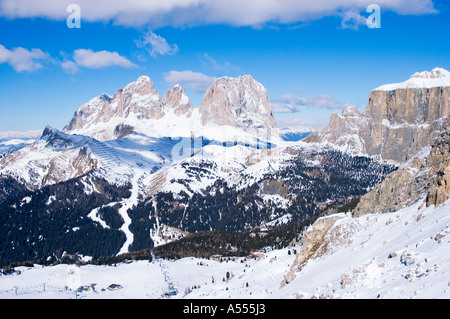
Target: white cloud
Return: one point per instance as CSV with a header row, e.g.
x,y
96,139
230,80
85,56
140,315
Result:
x,y
203,12
289,103
100,59
324,101
70,66
156,45
95,60
22,59
352,19
198,81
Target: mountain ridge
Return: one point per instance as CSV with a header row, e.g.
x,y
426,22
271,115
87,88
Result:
x,y
139,107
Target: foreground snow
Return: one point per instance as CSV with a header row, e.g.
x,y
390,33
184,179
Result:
x,y
404,254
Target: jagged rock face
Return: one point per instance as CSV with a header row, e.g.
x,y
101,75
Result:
x,y
86,112
238,102
403,121
399,120
427,174
138,98
439,192
176,99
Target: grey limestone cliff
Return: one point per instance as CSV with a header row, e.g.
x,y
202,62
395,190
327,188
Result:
x,y
399,120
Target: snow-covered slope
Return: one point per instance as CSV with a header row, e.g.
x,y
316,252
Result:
x,y
403,254
53,158
57,157
393,255
13,145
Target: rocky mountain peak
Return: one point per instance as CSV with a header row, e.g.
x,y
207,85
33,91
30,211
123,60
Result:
x,y
142,88
238,102
48,131
350,110
241,103
176,99
140,98
137,99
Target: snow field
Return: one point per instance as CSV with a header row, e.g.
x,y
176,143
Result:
x,y
404,254
395,255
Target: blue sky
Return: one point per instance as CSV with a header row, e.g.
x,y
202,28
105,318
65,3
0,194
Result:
x,y
312,59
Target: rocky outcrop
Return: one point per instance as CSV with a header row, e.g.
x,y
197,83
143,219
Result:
x,y
312,244
426,175
138,98
399,120
240,103
344,131
439,190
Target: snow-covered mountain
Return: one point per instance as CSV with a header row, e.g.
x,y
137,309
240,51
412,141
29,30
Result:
x,y
137,123
149,145
54,158
135,171
232,109
344,131
379,254
11,141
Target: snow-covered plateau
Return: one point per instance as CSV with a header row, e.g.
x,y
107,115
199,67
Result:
x,y
396,255
438,77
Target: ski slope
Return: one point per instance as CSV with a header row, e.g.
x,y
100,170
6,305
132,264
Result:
x,y
404,254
